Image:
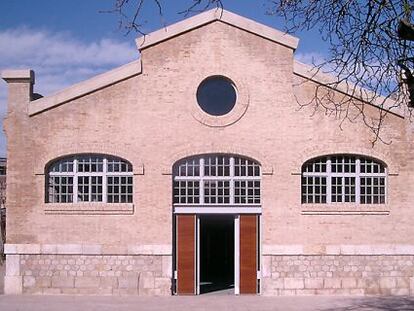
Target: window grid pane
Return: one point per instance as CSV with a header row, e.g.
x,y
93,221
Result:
x,y
372,190
60,189
90,164
90,175
115,165
83,188
247,192
216,192
217,166
186,192
343,174
62,166
336,192
224,180
96,188
313,189
245,168
119,189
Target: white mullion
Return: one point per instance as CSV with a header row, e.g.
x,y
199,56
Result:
x,y
217,189
373,175
385,188
75,181
237,255
201,178
231,190
90,188
343,179
224,178
358,181
179,193
104,180
328,181
343,174
195,205
90,174
198,242
61,174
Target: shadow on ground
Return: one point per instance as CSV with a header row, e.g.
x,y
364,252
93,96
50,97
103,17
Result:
x,y
2,271
377,303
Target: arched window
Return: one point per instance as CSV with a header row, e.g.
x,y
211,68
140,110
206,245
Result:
x,y
216,180
89,178
344,178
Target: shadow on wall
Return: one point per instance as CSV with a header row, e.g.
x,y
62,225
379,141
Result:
x,y
2,231
400,303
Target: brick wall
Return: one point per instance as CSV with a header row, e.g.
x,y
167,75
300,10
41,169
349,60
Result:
x,y
150,120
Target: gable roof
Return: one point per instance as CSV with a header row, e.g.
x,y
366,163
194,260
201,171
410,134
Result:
x,y
85,87
220,15
134,68
312,73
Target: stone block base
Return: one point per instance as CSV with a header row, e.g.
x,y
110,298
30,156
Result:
x,y
89,274
338,275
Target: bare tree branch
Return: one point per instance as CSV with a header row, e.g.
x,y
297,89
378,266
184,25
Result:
x,y
371,46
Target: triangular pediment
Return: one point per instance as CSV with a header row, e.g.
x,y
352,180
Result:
x,y
216,15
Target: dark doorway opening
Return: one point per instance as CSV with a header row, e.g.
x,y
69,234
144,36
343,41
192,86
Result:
x,y
216,253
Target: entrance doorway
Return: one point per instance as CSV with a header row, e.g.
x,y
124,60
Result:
x,y
217,208
216,259
217,252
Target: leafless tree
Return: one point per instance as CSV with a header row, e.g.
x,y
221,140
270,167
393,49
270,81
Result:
x,y
370,50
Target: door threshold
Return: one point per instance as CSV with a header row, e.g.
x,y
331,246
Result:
x,y
223,292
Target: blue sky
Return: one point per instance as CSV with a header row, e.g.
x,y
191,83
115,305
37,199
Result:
x,y
67,41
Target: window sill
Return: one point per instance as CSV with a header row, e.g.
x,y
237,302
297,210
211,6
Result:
x,y
89,208
345,209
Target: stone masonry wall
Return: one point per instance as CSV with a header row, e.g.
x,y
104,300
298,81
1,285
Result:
x,y
103,275
338,275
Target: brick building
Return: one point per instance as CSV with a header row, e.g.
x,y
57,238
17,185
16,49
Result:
x,y
192,170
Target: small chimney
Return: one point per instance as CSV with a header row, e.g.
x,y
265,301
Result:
x,y
20,88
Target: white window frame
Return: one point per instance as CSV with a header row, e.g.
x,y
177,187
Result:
x,y
202,178
75,174
357,175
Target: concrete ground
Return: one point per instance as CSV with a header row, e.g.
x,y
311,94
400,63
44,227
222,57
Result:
x,y
2,271
218,303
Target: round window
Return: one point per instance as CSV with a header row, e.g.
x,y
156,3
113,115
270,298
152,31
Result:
x,y
216,95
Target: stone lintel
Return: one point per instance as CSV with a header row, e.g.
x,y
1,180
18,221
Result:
x,y
86,249
339,249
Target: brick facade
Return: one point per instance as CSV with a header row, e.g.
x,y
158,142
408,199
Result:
x,y
146,112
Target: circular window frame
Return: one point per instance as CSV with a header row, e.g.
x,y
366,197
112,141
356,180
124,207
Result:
x,y
234,115
207,103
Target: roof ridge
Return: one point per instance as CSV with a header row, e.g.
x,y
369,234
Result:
x,y
85,87
210,16
312,73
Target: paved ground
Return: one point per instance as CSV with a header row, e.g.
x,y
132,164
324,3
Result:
x,y
2,268
218,303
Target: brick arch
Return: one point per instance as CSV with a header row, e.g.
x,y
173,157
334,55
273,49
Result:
x,y
267,168
318,151
86,148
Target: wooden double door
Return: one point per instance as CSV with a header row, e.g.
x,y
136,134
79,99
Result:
x,y
193,238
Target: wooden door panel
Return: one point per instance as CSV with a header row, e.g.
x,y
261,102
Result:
x,y
185,254
248,254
